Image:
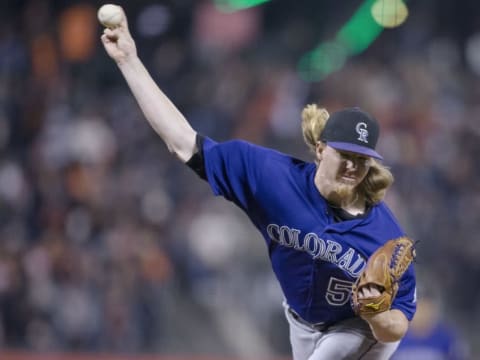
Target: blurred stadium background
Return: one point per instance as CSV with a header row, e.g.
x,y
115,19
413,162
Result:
x,y
110,246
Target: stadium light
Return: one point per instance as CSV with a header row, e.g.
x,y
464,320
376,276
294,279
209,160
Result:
x,y
353,38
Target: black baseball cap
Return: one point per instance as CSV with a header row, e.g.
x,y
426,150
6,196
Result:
x,y
352,130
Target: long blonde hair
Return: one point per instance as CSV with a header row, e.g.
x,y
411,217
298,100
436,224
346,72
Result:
x,y
378,179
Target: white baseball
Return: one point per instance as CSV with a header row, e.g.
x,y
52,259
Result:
x,y
110,15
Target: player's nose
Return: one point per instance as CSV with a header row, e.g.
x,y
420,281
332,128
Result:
x,y
350,164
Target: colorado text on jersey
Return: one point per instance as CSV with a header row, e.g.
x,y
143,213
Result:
x,y
318,248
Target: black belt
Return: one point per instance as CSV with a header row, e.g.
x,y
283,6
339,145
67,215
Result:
x,y
317,326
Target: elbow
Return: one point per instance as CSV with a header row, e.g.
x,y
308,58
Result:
x,y
182,155
184,146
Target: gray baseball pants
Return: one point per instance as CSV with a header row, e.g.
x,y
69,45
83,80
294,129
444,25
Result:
x,y
350,339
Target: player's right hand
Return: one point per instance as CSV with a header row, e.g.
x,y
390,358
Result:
x,y
118,42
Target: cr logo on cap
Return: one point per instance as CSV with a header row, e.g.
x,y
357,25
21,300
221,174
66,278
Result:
x,y
362,131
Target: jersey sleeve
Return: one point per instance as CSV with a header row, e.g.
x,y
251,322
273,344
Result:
x,y
406,299
233,169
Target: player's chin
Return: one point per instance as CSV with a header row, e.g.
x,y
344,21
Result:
x,y
345,190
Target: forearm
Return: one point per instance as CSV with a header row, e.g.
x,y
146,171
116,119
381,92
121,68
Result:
x,y
388,326
160,112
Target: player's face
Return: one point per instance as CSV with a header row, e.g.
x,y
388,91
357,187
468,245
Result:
x,y
340,171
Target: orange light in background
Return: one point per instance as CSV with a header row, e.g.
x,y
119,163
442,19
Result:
x,y
44,57
77,30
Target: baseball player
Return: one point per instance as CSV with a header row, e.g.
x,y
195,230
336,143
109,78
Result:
x,y
321,220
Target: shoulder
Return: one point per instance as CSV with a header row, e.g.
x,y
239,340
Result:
x,y
385,215
247,149
386,225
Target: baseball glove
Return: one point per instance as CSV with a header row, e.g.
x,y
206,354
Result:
x,y
384,269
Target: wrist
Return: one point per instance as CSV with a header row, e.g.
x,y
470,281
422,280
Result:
x,y
131,60
387,326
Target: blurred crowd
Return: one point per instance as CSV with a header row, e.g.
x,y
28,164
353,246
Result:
x,y
109,244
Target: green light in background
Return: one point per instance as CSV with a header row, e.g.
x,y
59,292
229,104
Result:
x,y
354,37
234,5
361,30
323,60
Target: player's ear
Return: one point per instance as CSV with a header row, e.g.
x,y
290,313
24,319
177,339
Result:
x,y
319,150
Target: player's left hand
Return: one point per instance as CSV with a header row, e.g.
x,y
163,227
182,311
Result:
x,y
378,284
369,291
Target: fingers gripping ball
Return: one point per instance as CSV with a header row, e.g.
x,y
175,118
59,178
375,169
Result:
x,y
110,15
384,269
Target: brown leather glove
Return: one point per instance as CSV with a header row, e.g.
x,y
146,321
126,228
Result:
x,y
384,269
